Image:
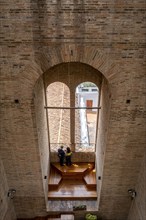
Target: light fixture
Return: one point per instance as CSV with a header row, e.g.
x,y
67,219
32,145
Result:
x,y
11,193
132,193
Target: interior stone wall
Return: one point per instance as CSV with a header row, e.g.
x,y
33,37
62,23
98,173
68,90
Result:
x,y
125,142
7,211
102,132
19,143
43,132
137,208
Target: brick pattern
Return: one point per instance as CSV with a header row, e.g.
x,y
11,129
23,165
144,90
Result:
x,y
106,36
6,204
29,207
125,149
137,209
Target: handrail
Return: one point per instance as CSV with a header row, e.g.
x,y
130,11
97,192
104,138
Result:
x,y
50,107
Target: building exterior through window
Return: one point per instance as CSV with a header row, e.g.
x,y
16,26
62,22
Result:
x,y
58,98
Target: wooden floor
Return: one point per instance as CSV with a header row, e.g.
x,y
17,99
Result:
x,y
90,180
55,179
76,182
75,167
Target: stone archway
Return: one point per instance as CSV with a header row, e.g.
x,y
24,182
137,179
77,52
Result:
x,y
72,74
66,54
33,77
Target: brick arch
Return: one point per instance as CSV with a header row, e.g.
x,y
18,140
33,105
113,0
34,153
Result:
x,y
48,70
91,56
85,55
72,74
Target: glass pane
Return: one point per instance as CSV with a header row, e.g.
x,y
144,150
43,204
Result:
x,y
86,119
58,95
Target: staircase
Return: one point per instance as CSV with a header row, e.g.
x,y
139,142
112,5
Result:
x,y
54,179
77,170
90,180
74,182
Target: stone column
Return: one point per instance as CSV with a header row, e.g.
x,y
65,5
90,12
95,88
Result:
x,y
72,119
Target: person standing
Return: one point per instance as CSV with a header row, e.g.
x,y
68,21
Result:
x,y
68,156
61,155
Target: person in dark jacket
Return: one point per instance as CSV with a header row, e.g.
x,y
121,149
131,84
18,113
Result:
x,y
61,155
68,156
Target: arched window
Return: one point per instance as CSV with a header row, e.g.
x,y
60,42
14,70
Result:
x,y
87,94
58,97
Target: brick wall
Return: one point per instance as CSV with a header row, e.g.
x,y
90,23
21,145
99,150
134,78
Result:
x,y
19,146
6,204
107,37
125,144
137,209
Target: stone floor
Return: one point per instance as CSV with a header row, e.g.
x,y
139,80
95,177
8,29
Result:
x,y
67,205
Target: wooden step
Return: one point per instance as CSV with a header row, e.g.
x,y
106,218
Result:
x,y
54,179
90,180
73,185
53,217
75,171
76,196
70,190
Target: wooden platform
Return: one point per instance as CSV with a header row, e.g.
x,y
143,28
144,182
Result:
x,y
54,179
74,182
76,170
90,180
